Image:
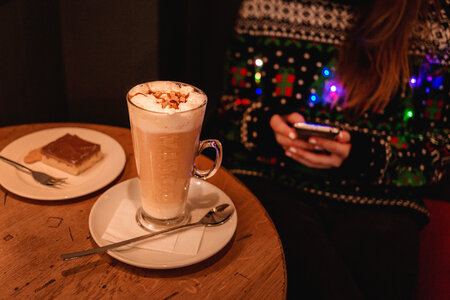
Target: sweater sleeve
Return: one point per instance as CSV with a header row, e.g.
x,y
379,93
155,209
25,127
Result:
x,y
401,159
415,154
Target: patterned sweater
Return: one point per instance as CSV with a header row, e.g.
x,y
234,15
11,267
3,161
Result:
x,y
283,60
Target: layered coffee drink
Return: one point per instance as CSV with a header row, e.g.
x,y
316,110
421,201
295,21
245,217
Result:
x,y
166,119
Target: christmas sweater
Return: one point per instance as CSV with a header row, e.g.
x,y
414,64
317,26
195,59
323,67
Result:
x,y
283,59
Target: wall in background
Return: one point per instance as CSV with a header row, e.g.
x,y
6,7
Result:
x,y
31,68
75,60
107,46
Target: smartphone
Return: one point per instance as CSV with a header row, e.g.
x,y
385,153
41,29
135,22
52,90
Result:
x,y
306,130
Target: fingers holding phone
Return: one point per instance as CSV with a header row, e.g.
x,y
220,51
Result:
x,y
285,134
316,146
331,146
340,146
280,124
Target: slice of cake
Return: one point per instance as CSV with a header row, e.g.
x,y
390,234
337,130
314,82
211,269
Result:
x,y
71,154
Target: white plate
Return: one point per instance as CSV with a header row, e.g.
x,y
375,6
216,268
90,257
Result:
x,y
202,196
91,180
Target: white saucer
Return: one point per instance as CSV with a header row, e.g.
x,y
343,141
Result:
x,y
202,197
94,178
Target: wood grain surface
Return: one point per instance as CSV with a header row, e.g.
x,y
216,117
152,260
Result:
x,y
33,234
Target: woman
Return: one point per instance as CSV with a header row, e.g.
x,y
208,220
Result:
x,y
348,210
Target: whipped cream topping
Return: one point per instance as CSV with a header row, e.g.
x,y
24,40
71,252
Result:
x,y
166,96
152,111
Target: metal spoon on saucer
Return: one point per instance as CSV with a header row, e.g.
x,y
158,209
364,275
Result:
x,y
216,216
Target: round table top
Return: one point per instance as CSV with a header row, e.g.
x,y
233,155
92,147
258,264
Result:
x,y
34,233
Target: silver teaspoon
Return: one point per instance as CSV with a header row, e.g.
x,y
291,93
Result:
x,y
216,216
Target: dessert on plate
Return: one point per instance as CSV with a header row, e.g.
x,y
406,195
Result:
x,y
68,153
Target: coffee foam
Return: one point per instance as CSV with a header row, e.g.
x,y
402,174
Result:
x,y
166,123
149,116
141,96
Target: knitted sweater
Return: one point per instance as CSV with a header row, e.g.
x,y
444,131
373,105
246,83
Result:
x,y
283,60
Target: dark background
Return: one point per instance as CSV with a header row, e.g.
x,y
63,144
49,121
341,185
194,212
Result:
x,y
75,60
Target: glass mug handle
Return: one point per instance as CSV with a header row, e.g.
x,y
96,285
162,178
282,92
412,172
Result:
x,y
205,174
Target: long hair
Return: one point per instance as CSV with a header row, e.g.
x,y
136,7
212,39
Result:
x,y
373,61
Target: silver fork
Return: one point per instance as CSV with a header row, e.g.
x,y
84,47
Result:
x,y
40,177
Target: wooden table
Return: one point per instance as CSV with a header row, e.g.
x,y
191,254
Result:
x,y
34,233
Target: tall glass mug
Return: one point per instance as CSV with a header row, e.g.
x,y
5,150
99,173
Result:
x,y
166,120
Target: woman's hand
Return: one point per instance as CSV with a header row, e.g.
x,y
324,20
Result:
x,y
310,153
